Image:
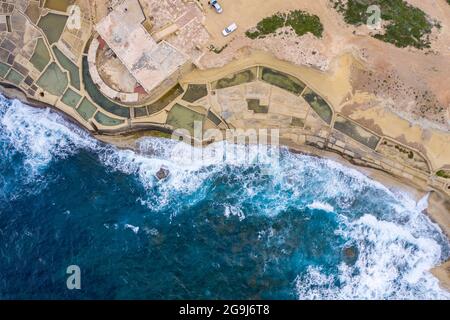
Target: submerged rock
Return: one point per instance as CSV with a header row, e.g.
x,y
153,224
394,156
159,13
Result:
x,y
162,173
350,254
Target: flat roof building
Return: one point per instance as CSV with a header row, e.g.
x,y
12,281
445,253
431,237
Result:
x,y
149,62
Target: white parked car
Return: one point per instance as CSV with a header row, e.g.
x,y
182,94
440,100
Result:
x,y
232,27
216,6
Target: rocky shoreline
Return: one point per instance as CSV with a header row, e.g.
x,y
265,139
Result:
x,y
438,204
438,207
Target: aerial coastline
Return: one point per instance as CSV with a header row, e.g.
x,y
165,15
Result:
x,y
327,102
437,207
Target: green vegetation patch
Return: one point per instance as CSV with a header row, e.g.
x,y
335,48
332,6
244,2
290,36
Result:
x,y
86,109
319,105
74,71
282,80
181,117
195,92
267,26
53,80
3,69
41,56
165,100
98,97
407,25
107,120
255,106
242,77
71,98
444,173
53,25
302,22
14,77
356,132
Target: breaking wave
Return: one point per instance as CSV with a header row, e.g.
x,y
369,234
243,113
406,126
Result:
x,y
392,244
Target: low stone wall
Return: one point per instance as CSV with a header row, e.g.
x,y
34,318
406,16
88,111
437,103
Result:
x,y
104,88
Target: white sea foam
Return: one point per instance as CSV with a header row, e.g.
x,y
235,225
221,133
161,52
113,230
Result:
x,y
41,135
321,206
132,228
392,264
234,211
394,256
422,204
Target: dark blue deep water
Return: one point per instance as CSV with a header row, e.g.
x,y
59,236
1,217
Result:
x,y
300,228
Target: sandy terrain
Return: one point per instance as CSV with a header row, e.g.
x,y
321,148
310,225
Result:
x,y
411,82
443,274
114,73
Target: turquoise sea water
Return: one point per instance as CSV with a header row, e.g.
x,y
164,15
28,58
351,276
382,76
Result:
x,y
300,228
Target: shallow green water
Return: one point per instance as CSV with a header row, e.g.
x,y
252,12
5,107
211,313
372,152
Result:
x,y
41,56
53,80
165,100
107,120
98,97
86,109
195,92
53,25
140,112
283,80
215,119
236,79
14,77
71,98
183,118
356,132
67,64
59,5
319,105
3,69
